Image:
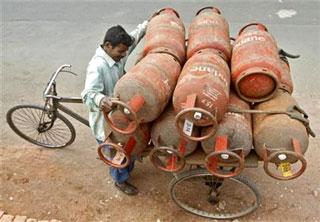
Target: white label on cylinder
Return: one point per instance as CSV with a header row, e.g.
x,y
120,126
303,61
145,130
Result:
x,y
187,127
249,39
211,70
211,93
208,22
126,111
118,158
225,156
197,115
282,156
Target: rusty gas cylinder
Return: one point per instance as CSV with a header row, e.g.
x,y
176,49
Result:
x,y
166,32
121,145
255,65
209,30
145,90
279,138
286,80
202,93
170,147
235,128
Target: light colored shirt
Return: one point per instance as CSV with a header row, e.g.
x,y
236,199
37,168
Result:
x,y
102,75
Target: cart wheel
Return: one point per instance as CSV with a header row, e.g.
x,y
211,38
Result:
x,y
40,127
199,192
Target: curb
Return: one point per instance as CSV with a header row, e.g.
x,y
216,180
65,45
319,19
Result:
x,y
10,218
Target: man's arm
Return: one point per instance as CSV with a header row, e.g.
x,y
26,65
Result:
x,y
138,34
94,87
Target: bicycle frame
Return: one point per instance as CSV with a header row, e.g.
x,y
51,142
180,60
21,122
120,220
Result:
x,y
50,94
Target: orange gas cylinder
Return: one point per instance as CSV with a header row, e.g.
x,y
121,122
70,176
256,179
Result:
x,y
170,147
202,93
286,80
209,30
166,32
145,90
255,65
281,139
122,147
235,130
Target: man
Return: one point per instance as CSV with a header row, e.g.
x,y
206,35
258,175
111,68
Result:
x,y
104,70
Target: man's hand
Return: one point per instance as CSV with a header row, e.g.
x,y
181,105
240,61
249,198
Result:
x,y
105,104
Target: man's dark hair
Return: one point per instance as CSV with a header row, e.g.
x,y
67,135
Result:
x,y
116,35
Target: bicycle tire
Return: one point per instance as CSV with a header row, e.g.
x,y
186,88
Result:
x,y
31,115
212,215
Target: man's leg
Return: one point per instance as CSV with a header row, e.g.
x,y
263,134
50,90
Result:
x,y
121,176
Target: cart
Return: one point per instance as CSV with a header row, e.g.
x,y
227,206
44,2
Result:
x,y
194,189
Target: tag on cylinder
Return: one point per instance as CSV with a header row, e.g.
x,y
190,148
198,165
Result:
x,y
187,127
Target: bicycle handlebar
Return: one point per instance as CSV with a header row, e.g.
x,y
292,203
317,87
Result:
x,y
54,76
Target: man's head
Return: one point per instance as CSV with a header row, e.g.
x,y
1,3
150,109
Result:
x,y
116,42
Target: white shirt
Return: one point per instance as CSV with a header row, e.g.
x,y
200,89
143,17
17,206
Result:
x,y
102,75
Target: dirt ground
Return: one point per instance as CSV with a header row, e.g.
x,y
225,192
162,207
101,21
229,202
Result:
x,y
70,184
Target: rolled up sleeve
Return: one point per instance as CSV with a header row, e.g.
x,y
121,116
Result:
x,y
94,86
138,34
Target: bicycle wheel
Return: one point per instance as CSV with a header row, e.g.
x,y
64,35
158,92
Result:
x,y
199,192
38,126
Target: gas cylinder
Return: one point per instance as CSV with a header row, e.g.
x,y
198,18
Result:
x,y
166,32
167,140
209,30
121,145
202,93
145,90
235,129
286,80
255,65
281,138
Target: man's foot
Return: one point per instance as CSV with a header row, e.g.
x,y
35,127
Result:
x,y
126,188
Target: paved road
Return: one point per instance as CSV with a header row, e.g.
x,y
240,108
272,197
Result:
x,y
56,32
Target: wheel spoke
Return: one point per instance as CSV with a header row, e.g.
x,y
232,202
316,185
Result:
x,y
216,198
55,138
25,120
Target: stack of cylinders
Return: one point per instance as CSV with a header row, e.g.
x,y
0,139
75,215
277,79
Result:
x,y
153,79
147,88
255,64
207,76
209,30
166,33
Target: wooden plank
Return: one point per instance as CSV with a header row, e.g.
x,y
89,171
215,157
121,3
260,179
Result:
x,y
32,220
6,218
20,218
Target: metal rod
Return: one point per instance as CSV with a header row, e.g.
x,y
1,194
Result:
x,y
73,114
54,76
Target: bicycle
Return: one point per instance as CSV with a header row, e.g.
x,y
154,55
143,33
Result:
x,y
44,125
